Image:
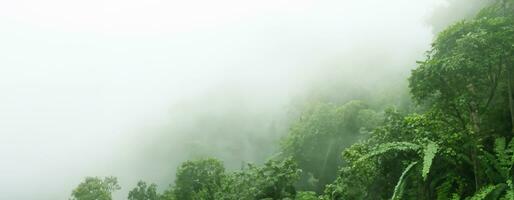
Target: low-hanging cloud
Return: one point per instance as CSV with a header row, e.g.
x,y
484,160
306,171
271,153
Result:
x,y
133,88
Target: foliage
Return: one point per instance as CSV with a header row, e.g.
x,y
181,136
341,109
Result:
x,y
392,146
306,196
453,147
94,188
323,131
198,179
429,154
274,180
168,194
484,192
143,192
398,189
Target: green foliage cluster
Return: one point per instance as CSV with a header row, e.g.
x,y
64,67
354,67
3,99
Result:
x,y
198,179
94,188
207,179
143,192
324,130
465,89
274,180
457,145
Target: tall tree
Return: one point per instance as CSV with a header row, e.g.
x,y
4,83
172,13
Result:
x,y
323,131
466,75
144,192
198,179
94,188
274,180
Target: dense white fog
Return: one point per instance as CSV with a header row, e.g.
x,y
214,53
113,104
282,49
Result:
x,y
132,88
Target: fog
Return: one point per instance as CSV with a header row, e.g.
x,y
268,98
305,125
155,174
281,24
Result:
x,y
133,88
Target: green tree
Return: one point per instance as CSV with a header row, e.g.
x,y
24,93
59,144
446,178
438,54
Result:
x,y
274,180
143,192
198,179
467,76
306,196
168,194
94,188
323,131
464,87
374,165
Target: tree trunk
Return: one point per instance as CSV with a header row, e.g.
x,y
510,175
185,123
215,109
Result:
x,y
476,167
475,136
511,100
474,150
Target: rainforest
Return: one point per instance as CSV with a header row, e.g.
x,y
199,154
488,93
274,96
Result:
x,y
437,124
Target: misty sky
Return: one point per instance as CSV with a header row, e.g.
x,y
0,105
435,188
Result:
x,y
79,80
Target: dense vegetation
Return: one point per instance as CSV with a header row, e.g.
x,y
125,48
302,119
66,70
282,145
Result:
x,y
456,143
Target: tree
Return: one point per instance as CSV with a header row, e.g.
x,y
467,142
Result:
x,y
94,188
375,165
306,196
323,131
144,192
274,180
168,194
468,76
198,179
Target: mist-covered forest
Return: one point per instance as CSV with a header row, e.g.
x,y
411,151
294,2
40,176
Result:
x,y
389,100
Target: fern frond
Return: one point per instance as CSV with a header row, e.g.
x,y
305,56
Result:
x,y
493,167
504,156
501,153
484,192
429,154
398,189
444,190
455,196
499,147
510,191
510,150
392,146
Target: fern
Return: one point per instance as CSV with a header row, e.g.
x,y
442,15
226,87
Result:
x,y
499,147
445,190
504,160
510,192
455,196
510,150
392,146
500,165
429,154
398,189
484,192
501,162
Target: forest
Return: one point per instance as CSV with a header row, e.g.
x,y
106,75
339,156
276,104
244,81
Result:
x,y
454,141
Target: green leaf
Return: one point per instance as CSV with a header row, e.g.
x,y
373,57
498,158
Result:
x,y
398,189
429,154
392,146
484,192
